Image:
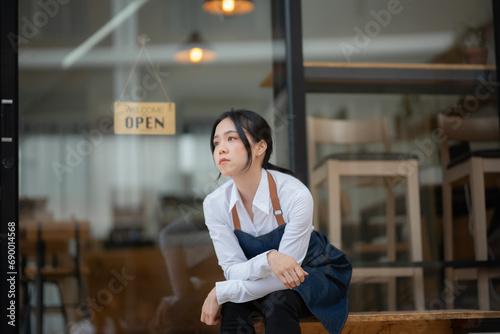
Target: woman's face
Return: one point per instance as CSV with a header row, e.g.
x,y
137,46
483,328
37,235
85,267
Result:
x,y
230,154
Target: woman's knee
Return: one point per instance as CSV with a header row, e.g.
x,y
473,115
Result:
x,y
239,315
283,303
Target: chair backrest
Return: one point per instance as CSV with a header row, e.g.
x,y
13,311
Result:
x,y
479,129
345,132
55,235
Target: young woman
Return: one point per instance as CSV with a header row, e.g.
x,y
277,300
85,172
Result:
x,y
276,266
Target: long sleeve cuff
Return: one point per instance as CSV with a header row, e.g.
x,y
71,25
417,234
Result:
x,y
256,268
227,291
237,291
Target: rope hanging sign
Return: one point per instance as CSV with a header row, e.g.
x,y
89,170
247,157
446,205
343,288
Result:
x,y
144,118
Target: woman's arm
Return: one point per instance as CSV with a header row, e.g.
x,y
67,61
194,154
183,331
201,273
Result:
x,y
294,244
285,263
295,240
229,253
238,291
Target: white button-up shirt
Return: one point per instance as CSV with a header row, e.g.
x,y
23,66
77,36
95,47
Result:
x,y
251,279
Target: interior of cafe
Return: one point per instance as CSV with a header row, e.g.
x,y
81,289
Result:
x,y
398,96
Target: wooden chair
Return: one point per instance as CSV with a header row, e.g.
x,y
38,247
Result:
x,y
50,254
469,168
389,169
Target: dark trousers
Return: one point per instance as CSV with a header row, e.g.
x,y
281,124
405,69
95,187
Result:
x,y
281,311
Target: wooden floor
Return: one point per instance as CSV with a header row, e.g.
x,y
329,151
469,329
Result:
x,y
439,321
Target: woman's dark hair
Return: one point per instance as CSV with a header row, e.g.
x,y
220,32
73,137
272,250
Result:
x,y
257,128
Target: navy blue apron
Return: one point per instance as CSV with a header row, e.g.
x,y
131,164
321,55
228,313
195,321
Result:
x,y
326,289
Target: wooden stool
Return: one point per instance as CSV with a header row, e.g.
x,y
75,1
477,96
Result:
x,y
469,168
374,169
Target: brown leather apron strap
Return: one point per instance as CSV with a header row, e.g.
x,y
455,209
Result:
x,y
273,191
275,200
236,219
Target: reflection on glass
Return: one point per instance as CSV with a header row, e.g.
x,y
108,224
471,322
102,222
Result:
x,y
147,263
192,270
147,256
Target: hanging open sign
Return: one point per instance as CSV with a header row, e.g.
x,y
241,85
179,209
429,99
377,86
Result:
x,y
145,118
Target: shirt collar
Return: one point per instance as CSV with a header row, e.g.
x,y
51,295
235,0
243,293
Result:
x,y
262,197
235,197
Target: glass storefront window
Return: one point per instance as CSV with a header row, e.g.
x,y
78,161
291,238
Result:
x,y
149,262
147,259
370,48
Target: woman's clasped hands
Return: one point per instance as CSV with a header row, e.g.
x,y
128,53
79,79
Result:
x,y
288,271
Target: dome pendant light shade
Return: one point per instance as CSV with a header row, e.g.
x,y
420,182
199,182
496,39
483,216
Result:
x,y
194,51
228,7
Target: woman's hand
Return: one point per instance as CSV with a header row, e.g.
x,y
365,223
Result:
x,y
210,309
286,269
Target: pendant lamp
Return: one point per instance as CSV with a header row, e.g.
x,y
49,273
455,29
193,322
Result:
x,y
228,7
195,50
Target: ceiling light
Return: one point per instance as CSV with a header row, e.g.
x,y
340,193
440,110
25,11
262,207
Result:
x,y
195,50
228,7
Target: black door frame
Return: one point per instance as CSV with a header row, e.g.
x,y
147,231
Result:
x,y
496,28
9,259
288,79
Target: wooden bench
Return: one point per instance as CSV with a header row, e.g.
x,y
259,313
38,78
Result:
x,y
438,321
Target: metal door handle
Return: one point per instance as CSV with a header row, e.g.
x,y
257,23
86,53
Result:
x,y
6,121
